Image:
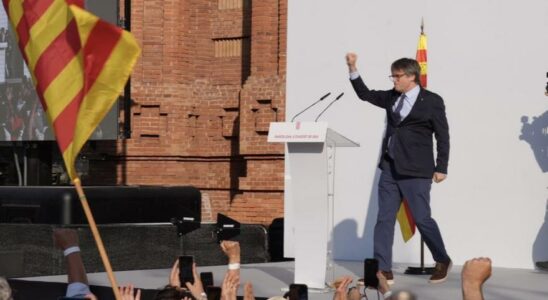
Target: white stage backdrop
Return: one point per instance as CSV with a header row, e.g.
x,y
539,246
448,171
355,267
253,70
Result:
x,y
488,60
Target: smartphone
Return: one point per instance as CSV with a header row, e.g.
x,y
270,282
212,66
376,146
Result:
x,y
370,269
185,269
213,293
206,278
298,292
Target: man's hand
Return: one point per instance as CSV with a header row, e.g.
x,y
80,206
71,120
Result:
x,y
230,285
474,273
383,283
248,291
174,280
351,59
65,238
127,292
231,250
439,177
342,288
196,289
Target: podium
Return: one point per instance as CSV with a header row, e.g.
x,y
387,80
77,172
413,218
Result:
x,y
311,159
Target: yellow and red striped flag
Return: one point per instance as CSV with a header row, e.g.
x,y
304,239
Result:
x,y
422,59
405,218
79,65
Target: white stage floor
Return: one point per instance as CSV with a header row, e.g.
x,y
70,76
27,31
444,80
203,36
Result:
x,y
270,278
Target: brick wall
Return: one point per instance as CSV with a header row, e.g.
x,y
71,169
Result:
x,y
210,80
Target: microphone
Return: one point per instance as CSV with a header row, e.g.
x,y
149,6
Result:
x,y
338,97
323,97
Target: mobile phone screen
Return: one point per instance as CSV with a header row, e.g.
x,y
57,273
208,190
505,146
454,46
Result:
x,y
206,278
185,269
370,269
298,292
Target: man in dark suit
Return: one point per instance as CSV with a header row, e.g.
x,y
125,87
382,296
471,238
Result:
x,y
413,115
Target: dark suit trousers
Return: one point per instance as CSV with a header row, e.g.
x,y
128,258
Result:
x,y
417,191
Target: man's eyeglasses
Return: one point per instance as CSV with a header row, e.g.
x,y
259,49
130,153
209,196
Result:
x,y
395,77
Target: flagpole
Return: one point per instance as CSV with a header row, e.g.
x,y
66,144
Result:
x,y
97,237
422,270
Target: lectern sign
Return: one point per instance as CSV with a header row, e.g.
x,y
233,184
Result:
x,y
299,132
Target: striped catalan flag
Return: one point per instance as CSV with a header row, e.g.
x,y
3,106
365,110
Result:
x,y
422,59
407,223
405,218
79,66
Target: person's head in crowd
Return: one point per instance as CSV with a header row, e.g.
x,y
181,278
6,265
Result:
x,y
171,293
5,290
402,295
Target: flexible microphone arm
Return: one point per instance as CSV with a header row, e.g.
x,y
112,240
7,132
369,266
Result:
x,y
323,97
338,97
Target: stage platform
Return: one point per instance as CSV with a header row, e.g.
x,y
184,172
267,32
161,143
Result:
x,y
270,278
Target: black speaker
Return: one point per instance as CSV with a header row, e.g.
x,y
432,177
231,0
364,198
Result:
x,y
27,249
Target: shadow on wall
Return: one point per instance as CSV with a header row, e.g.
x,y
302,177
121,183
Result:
x,y
346,240
540,247
536,135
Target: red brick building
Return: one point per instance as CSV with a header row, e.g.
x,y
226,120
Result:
x,y
210,80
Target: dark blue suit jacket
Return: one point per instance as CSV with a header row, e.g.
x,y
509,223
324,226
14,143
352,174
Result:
x,y
413,151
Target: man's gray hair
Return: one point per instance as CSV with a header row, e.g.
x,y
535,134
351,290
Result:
x,y
5,290
409,66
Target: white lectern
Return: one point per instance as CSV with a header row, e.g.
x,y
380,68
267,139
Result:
x,y
311,155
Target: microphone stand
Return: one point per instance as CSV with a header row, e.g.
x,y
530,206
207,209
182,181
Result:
x,y
323,97
321,113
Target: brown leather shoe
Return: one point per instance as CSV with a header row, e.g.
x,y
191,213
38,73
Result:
x,y
389,277
440,272
542,265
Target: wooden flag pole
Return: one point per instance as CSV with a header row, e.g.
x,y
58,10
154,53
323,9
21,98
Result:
x,y
97,237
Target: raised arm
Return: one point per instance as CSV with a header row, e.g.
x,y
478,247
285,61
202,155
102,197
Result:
x,y
474,274
67,241
378,98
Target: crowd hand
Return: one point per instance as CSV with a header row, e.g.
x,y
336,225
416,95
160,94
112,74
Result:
x,y
354,294
196,289
91,297
439,177
232,250
383,283
64,238
230,286
476,271
128,293
248,291
351,59
341,285
174,280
